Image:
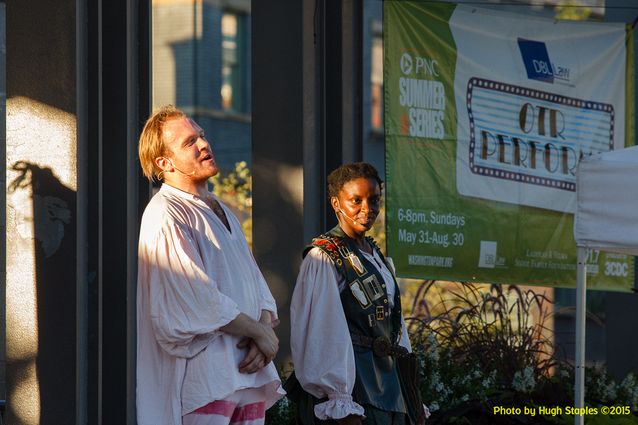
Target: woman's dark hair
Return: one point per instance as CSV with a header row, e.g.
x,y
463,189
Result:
x,y
348,172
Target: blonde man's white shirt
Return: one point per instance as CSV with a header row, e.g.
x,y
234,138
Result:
x,y
194,277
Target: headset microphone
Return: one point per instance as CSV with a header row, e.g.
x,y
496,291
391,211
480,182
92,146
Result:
x,y
192,173
346,216
186,174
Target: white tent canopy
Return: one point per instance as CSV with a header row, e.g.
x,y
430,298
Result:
x,y
606,219
607,202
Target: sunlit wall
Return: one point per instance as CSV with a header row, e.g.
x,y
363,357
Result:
x,y
40,212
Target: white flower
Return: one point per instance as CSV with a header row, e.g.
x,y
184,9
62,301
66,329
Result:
x,y
524,381
421,365
282,405
629,382
609,391
435,379
433,350
630,387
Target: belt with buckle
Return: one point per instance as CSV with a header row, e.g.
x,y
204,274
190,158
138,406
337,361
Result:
x,y
381,346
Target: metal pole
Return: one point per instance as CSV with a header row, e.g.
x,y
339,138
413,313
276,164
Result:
x,y
581,307
134,39
351,80
82,281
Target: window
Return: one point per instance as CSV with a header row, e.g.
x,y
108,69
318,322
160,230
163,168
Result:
x,y
376,81
233,62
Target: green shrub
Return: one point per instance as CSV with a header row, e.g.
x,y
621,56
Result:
x,y
235,190
484,348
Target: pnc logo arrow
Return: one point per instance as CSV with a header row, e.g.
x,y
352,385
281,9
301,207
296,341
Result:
x,y
406,64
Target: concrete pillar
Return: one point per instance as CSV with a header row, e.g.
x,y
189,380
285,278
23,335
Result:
x,y
41,212
277,128
77,94
306,120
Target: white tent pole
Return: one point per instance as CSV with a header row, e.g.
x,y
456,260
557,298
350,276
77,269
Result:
x,y
581,307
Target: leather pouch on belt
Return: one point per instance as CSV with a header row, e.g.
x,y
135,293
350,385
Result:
x,y
410,380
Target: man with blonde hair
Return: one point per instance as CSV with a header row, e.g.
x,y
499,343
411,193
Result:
x,y
205,314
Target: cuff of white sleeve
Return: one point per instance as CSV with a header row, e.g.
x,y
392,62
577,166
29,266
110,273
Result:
x,y
426,411
338,406
270,306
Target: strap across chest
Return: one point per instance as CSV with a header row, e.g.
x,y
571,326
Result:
x,y
365,299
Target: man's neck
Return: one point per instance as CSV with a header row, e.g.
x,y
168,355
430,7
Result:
x,y
198,188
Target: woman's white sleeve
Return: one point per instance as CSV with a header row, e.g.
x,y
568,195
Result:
x,y
404,341
320,341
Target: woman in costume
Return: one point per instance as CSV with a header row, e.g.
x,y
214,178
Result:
x,y
348,336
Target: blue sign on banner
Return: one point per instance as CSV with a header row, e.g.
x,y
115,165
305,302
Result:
x,y
536,60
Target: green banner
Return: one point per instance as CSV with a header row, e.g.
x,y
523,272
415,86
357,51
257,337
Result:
x,y
486,117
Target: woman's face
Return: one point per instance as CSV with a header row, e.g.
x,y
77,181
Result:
x,y
357,205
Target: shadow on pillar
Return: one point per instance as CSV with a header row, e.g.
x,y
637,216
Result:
x,y
54,230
